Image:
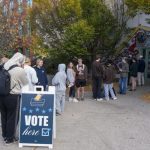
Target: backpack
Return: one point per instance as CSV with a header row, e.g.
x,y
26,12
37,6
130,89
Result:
x,y
5,80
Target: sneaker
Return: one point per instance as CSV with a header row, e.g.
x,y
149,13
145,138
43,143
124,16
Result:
x,y
99,99
9,141
75,100
70,99
58,113
115,98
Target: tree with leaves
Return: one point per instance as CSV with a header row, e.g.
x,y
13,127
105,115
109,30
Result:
x,y
75,28
135,6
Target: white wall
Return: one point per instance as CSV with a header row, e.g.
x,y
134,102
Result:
x,y
137,20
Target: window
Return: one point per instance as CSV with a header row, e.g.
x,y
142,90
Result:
x,y
11,5
20,1
5,10
29,3
20,9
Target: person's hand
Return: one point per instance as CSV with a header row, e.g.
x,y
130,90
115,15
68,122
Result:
x,y
120,70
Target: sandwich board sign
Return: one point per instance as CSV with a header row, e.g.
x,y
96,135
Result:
x,y
37,118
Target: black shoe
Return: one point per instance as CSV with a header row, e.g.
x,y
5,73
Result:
x,y
58,113
82,99
9,141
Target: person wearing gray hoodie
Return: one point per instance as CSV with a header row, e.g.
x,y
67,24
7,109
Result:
x,y
59,81
9,105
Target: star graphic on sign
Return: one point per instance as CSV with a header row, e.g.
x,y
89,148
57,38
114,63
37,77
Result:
x,y
37,109
50,109
24,108
43,111
30,111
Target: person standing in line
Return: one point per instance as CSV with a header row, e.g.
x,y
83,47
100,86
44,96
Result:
x,y
9,104
133,73
71,75
97,75
31,74
41,74
81,79
141,70
59,81
108,78
124,69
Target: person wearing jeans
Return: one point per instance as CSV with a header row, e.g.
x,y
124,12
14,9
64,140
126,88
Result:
x,y
124,69
108,77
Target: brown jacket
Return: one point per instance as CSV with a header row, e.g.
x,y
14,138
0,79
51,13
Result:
x,y
108,75
97,69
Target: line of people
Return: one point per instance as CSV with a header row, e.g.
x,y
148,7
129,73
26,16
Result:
x,y
74,77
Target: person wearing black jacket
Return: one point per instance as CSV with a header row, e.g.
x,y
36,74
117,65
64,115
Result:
x,y
141,70
133,74
97,74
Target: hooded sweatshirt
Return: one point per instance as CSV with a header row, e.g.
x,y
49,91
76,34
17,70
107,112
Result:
x,y
59,79
18,75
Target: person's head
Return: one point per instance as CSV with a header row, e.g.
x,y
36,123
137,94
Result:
x,y
17,59
80,61
28,61
124,60
61,67
133,60
39,62
70,65
140,57
98,57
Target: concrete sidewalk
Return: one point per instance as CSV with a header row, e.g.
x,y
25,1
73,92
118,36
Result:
x,y
115,125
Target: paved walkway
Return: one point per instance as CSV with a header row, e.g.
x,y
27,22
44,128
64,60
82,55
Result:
x,y
115,125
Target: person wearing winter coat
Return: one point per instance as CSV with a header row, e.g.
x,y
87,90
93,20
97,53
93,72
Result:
x,y
97,76
71,75
9,104
59,81
41,74
141,70
31,74
124,70
133,74
108,78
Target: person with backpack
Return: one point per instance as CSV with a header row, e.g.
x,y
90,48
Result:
x,y
31,74
81,79
41,74
12,79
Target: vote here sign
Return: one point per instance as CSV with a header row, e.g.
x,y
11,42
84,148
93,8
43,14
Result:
x,y
36,119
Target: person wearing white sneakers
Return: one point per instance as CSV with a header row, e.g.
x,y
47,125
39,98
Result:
x,y
71,82
108,77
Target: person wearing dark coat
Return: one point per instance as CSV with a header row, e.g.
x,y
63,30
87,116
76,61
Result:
x,y
97,75
141,70
133,74
108,78
41,74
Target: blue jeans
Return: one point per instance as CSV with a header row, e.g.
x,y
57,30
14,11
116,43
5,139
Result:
x,y
108,88
123,85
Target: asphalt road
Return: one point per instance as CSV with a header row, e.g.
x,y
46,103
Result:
x,y
123,124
